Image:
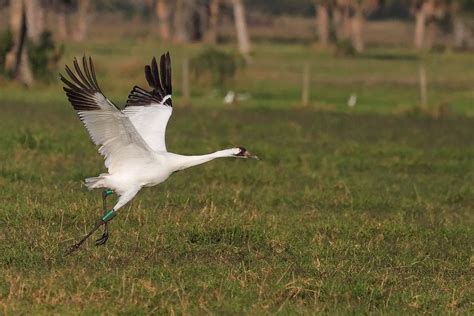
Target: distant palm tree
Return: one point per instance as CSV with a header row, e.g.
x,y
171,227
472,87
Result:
x,y
26,22
427,13
347,18
241,28
322,8
211,34
163,13
83,17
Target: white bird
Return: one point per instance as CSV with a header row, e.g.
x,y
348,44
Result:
x,y
352,101
131,140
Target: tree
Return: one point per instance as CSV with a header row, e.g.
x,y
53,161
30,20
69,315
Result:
x,y
26,23
62,9
211,34
458,12
427,14
189,21
162,13
322,8
31,51
347,18
72,17
241,28
35,19
83,10
356,20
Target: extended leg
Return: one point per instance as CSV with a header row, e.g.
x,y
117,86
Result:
x,y
105,194
123,199
105,235
107,217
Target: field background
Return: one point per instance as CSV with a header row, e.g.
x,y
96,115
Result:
x,y
367,209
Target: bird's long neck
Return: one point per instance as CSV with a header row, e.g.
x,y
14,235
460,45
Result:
x,y
183,162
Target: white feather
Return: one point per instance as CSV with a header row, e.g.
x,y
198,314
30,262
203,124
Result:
x,y
112,129
133,140
150,122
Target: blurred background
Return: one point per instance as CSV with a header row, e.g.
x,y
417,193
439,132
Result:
x,y
343,55
361,110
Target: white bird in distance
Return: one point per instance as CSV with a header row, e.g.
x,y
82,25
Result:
x,y
131,140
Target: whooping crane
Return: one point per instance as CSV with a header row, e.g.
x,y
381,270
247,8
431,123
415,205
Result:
x,y
131,140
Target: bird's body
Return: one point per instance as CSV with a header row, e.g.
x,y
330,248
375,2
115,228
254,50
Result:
x,y
131,140
131,175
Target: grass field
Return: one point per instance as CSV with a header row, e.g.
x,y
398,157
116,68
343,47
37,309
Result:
x,y
385,80
360,210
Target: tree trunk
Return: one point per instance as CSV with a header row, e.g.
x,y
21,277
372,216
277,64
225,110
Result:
x,y
62,25
211,34
162,12
35,20
431,35
356,28
322,21
12,59
241,28
82,20
199,21
24,73
459,30
181,17
341,21
337,20
62,18
420,22
346,24
16,60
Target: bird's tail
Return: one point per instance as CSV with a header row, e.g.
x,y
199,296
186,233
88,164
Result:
x,y
96,182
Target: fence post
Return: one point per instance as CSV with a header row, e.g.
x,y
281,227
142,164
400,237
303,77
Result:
x,y
185,80
305,86
423,86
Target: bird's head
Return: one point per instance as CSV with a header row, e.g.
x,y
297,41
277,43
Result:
x,y
241,152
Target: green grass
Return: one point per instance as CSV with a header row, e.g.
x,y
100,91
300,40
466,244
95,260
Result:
x,y
360,213
385,80
349,211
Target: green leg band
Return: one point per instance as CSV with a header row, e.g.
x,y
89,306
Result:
x,y
108,216
108,192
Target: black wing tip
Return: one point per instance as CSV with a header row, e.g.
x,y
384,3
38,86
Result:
x,y
87,68
165,70
80,84
159,77
165,59
84,58
142,97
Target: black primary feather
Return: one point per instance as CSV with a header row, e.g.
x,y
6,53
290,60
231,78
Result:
x,y
81,86
159,79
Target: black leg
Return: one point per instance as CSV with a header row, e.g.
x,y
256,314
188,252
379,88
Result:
x,y
105,194
77,245
104,201
103,221
105,236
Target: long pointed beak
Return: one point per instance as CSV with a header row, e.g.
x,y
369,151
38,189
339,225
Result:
x,y
250,155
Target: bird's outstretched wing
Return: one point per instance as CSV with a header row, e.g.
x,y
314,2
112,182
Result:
x,y
107,125
150,111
